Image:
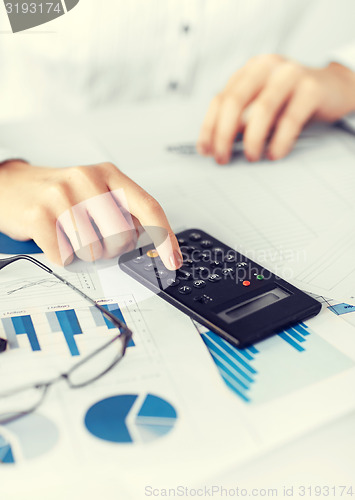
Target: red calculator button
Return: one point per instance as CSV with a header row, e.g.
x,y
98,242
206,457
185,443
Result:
x,y
246,283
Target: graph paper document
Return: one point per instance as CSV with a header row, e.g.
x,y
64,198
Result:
x,y
166,397
331,272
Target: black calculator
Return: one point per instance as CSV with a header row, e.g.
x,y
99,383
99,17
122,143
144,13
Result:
x,y
222,289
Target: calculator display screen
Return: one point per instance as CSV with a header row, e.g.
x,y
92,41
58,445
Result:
x,y
253,305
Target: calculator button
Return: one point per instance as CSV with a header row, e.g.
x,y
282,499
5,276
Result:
x,y
246,283
184,275
242,265
194,236
188,262
214,278
139,260
185,290
216,263
202,272
199,284
195,256
206,244
203,299
218,251
181,241
173,282
152,253
230,257
187,250
205,256
260,277
228,271
149,267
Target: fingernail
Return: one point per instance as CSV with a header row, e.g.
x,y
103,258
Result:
x,y
249,157
220,159
176,260
274,156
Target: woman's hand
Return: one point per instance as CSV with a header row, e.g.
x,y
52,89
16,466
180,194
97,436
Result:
x,y
91,211
270,100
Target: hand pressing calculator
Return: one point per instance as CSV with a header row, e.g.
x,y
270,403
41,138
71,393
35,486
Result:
x,y
222,289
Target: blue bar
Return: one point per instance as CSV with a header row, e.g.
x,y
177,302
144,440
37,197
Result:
x,y
232,351
253,349
290,341
116,311
231,384
225,369
221,356
246,354
295,335
101,320
23,326
70,326
301,328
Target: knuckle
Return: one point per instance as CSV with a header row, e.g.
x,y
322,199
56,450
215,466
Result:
x,y
310,86
57,191
271,59
291,70
81,172
108,168
232,99
265,104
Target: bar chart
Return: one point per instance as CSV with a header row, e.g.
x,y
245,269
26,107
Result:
x,y
62,326
287,362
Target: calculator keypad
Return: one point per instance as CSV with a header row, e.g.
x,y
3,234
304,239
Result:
x,y
217,270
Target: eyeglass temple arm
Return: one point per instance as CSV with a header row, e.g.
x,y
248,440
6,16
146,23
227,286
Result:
x,y
10,260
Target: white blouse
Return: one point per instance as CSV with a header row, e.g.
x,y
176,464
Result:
x,y
112,51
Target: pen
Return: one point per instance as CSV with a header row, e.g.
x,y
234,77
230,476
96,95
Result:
x,y
190,149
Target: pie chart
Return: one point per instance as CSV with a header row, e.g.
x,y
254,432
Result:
x,y
131,418
27,438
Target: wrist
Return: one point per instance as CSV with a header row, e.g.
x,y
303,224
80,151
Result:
x,y
344,79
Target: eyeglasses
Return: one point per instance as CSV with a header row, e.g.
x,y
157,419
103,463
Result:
x,y
21,401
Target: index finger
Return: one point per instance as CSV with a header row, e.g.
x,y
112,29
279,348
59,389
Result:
x,y
149,213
